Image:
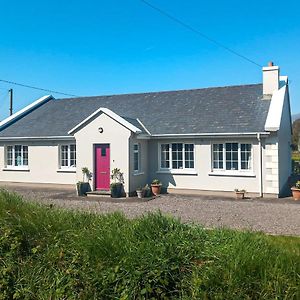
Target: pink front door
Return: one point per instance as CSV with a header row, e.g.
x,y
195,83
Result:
x,y
102,167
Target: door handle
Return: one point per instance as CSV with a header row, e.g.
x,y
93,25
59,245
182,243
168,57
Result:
x,y
103,172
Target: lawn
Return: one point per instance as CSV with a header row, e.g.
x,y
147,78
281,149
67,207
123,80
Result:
x,y
47,253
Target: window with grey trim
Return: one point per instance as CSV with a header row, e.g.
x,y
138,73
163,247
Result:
x,y
232,156
136,157
68,156
177,156
17,156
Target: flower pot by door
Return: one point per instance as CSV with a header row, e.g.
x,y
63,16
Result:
x,y
296,193
156,188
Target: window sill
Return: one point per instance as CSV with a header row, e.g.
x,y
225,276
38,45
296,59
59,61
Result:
x,y
26,169
138,173
178,172
231,174
71,170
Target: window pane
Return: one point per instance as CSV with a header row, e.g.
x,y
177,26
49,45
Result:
x,y
232,156
73,155
246,156
64,156
217,156
136,161
165,156
177,156
136,158
9,155
189,156
18,155
25,155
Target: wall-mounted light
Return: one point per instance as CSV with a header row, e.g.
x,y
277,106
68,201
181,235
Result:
x,y
100,129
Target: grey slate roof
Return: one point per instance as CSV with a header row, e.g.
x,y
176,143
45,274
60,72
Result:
x,y
232,109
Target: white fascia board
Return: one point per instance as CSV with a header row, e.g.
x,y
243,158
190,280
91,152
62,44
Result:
x,y
36,138
275,110
208,135
112,115
25,110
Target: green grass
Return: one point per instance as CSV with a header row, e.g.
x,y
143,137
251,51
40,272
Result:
x,y
46,253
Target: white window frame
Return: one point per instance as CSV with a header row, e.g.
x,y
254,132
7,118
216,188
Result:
x,y
13,165
184,170
138,151
239,170
68,167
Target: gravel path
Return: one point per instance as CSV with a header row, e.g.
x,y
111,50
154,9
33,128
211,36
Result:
x,y
274,216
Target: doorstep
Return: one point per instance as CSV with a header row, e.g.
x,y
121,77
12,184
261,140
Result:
x,y
99,194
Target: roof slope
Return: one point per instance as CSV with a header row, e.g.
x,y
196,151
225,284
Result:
x,y
232,109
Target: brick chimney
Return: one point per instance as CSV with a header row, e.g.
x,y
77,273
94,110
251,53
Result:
x,y
270,79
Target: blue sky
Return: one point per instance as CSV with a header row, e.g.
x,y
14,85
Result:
x,y
109,47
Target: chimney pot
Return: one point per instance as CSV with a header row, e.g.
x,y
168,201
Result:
x,y
270,64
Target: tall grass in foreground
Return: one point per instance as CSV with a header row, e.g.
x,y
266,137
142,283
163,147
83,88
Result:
x,y
47,253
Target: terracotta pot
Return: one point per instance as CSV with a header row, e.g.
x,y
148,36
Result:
x,y
155,189
239,195
296,193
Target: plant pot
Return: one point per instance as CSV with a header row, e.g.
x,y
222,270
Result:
x,y
156,188
116,190
239,195
139,193
296,193
82,188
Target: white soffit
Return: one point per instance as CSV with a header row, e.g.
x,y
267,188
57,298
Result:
x,y
275,110
112,115
25,110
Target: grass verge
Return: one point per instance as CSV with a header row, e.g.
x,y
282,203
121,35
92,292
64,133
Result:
x,y
46,253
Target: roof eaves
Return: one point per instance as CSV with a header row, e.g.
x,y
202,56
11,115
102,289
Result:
x,y
6,122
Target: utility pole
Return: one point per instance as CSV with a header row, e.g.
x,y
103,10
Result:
x,y
10,101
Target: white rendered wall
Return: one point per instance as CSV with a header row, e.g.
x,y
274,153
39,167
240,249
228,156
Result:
x,y
138,179
114,134
204,179
284,147
43,164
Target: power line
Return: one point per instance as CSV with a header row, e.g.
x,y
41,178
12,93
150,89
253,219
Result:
x,y
36,88
189,27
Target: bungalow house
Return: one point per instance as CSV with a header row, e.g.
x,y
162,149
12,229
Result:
x,y
215,139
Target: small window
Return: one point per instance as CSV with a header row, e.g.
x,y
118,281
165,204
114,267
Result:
x,y
68,156
136,157
103,151
17,156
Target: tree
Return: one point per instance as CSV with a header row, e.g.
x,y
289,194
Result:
x,y
296,133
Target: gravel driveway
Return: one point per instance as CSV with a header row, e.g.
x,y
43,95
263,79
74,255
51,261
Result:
x,y
274,216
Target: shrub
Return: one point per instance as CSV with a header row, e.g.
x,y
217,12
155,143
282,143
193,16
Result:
x,y
46,253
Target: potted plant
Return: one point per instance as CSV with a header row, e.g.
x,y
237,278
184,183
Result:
x,y
239,194
146,191
296,190
83,187
116,187
156,187
140,192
